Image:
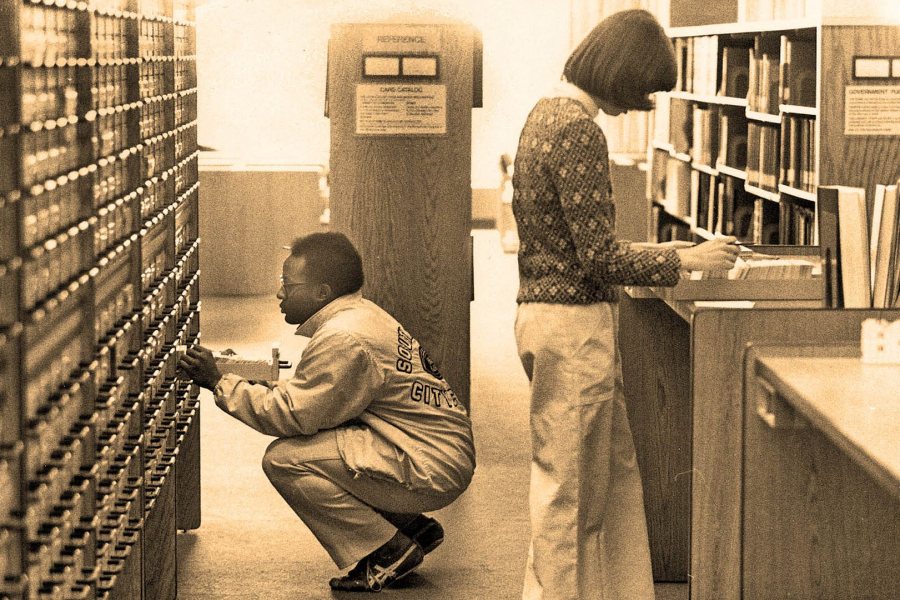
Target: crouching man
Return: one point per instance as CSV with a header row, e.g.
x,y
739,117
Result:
x,y
370,436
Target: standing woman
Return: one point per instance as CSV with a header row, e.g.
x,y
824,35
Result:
x,y
588,529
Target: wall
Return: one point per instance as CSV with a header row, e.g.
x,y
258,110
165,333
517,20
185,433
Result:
x,y
261,68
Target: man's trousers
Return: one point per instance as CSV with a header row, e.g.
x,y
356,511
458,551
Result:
x,y
350,513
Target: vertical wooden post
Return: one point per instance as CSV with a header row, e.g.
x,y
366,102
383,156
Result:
x,y
401,175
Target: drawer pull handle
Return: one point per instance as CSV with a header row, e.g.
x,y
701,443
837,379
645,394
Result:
x,y
773,410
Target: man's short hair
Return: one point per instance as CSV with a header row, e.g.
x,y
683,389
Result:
x,y
623,60
332,259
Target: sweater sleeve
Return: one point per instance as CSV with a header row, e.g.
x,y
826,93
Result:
x,y
580,170
333,383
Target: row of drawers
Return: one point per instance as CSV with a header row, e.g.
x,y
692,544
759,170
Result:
x,y
76,425
47,97
52,32
58,346
67,259
145,130
80,542
107,197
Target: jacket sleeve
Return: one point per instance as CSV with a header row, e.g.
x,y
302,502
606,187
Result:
x,y
334,382
579,164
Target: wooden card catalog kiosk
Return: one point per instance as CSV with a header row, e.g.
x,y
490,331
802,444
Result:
x,y
400,99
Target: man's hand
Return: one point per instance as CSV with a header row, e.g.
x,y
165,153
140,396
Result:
x,y
198,364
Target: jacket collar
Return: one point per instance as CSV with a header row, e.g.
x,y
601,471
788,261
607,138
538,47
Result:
x,y
312,324
564,89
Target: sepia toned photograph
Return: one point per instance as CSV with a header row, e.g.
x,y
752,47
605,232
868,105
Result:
x,y
449,299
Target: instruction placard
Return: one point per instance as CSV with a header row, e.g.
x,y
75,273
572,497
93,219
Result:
x,y
872,110
401,109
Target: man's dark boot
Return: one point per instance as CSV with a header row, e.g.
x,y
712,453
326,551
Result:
x,y
389,563
425,531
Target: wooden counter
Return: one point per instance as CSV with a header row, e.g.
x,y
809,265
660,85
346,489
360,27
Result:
x,y
856,405
821,477
682,366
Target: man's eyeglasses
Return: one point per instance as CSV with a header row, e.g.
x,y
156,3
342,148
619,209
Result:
x,y
287,286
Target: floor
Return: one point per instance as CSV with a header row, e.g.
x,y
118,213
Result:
x,y
250,545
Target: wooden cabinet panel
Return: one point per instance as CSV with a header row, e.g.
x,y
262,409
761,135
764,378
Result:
x,y
815,524
657,393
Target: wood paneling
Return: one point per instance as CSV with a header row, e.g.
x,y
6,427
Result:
x,y
719,338
405,202
853,160
159,542
187,476
816,525
246,217
129,583
657,393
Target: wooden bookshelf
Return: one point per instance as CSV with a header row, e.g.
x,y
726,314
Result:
x,y
685,396
686,403
99,283
780,113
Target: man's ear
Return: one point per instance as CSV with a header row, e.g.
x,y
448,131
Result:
x,y
324,292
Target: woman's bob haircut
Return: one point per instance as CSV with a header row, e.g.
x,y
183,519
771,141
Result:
x,y
623,60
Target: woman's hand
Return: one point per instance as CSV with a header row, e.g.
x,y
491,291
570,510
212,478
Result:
x,y
715,255
198,364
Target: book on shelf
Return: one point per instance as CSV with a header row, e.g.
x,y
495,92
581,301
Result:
x,y
680,124
796,222
854,226
742,219
735,71
681,60
784,149
661,118
769,157
730,193
793,152
885,246
798,71
763,155
807,163
677,199
829,245
798,152
764,81
844,237
862,258
705,138
707,201
752,168
732,143
705,54
671,230
758,207
720,226
769,231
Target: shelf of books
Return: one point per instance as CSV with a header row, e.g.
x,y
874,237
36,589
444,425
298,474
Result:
x,y
98,285
762,116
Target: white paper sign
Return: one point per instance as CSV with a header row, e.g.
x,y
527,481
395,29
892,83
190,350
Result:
x,y
401,109
872,110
